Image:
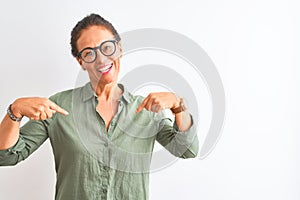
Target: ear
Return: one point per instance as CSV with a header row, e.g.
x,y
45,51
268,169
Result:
x,y
80,63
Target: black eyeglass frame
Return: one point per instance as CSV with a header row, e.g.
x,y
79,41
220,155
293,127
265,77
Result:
x,y
95,50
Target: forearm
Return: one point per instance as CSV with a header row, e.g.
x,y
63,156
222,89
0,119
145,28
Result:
x,y
183,120
9,132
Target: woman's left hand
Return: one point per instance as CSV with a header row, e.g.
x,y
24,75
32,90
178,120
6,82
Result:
x,y
157,101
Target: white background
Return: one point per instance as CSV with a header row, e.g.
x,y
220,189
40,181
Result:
x,y
254,45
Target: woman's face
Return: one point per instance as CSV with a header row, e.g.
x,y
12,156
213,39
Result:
x,y
104,69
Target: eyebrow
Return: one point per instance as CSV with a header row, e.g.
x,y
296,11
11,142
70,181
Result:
x,y
113,39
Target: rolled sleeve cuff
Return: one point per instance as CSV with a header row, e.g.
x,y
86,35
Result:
x,y
10,156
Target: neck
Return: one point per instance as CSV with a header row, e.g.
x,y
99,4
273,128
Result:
x,y
107,92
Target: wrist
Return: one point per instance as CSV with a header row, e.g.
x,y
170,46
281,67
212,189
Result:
x,y
180,107
176,103
14,110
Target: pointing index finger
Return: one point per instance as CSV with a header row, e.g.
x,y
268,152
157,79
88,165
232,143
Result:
x,y
58,109
143,104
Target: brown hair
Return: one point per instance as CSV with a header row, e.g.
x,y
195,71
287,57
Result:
x,y
90,20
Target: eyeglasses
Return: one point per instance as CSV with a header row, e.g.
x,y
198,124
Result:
x,y
89,54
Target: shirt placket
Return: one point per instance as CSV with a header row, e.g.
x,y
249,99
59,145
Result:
x,y
105,169
107,147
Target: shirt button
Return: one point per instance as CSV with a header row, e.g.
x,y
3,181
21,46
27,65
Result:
x,y
104,190
105,176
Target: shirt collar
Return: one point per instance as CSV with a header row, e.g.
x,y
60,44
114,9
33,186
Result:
x,y
88,93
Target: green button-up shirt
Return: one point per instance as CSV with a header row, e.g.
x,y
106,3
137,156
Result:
x,y
92,162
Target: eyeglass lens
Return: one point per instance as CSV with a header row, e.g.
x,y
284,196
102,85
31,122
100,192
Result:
x,y
107,48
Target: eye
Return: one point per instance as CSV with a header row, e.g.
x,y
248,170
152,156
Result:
x,y
87,53
108,48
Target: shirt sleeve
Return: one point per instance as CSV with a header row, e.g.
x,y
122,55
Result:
x,y
183,144
32,135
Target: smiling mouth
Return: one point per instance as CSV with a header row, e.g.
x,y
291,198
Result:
x,y
105,69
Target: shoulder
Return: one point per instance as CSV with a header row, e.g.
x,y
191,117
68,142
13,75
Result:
x,y
135,100
61,95
66,96
129,97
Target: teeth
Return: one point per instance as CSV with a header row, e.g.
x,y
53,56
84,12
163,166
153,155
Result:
x,y
105,68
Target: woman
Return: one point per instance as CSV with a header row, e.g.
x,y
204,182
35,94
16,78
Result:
x,y
102,136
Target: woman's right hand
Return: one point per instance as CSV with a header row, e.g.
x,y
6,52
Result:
x,y
35,108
